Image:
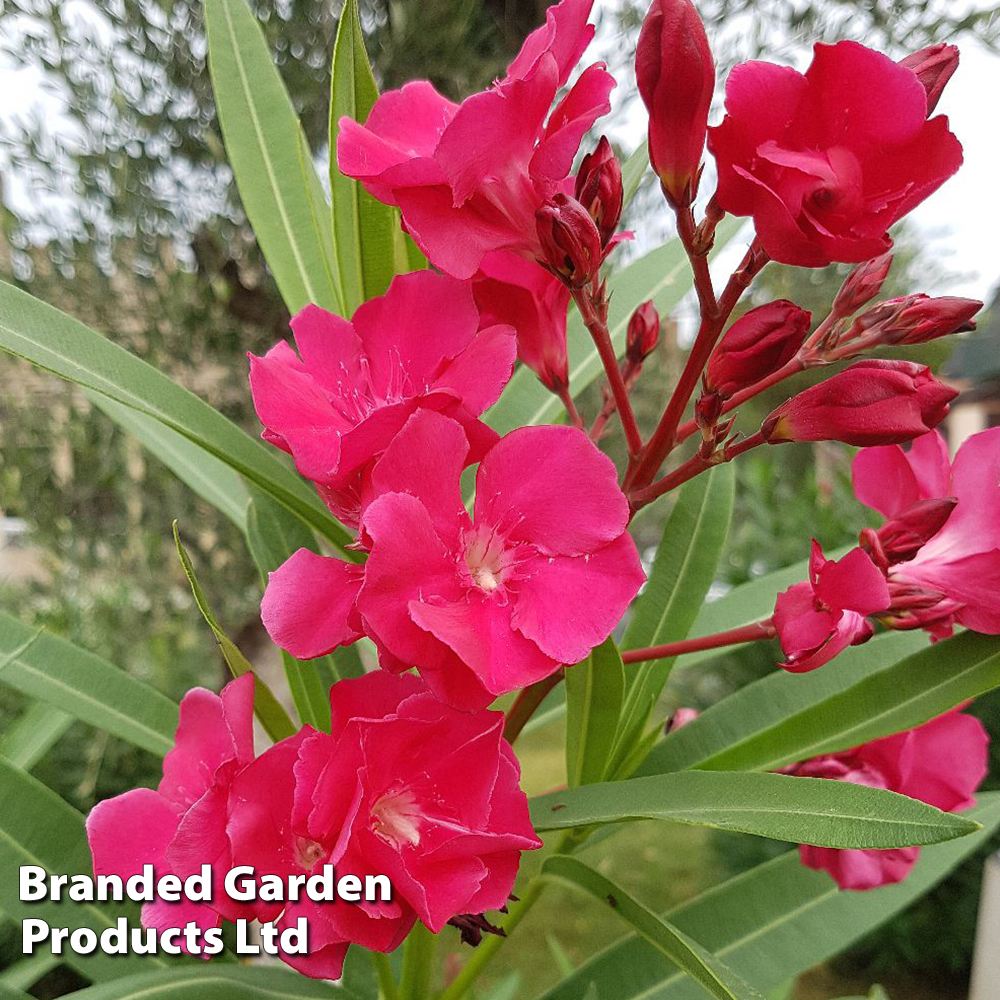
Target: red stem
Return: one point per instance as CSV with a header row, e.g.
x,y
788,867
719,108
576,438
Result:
x,y
594,314
567,400
694,466
714,315
739,398
735,636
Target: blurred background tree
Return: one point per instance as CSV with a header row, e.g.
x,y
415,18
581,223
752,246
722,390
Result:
x,y
121,210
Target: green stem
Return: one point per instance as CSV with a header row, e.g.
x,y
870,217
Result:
x,y
418,964
386,980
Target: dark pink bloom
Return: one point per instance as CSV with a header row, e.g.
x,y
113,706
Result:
x,y
872,402
570,243
941,763
954,577
512,291
828,161
481,605
676,77
643,333
469,178
599,189
862,285
402,786
182,824
913,319
934,65
819,619
337,404
758,344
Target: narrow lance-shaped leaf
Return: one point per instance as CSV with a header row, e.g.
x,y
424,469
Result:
x,y
892,683
267,708
34,734
63,675
57,343
800,810
703,967
594,690
269,156
693,539
365,229
769,924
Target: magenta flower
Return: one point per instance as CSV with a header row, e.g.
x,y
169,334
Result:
x,y
828,161
402,786
469,178
515,292
941,763
337,405
817,620
954,577
182,825
482,605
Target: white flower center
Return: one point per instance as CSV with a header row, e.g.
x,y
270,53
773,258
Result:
x,y
396,818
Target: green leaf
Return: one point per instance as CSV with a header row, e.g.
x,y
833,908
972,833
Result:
x,y
24,973
213,480
38,828
800,810
270,157
867,692
633,169
769,924
365,229
31,737
662,275
53,341
703,967
693,539
215,982
594,690
273,536
83,685
267,708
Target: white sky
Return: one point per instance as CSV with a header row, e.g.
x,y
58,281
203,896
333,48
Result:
x,y
962,220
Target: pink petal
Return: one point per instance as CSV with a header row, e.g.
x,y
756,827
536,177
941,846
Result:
x,y
423,320
329,348
237,708
481,633
521,488
309,603
568,605
565,34
479,373
860,870
131,830
883,479
853,583
371,696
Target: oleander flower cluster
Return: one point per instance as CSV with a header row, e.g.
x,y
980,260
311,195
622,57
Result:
x,y
486,564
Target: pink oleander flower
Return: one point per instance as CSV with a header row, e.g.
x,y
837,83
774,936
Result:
x,y
827,161
819,619
402,785
941,763
182,824
675,73
480,605
952,575
758,344
512,291
469,178
642,334
337,404
869,403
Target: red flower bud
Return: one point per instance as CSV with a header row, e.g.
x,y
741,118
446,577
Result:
x,y
872,402
570,240
914,319
676,77
934,66
643,333
757,345
901,538
862,285
599,189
